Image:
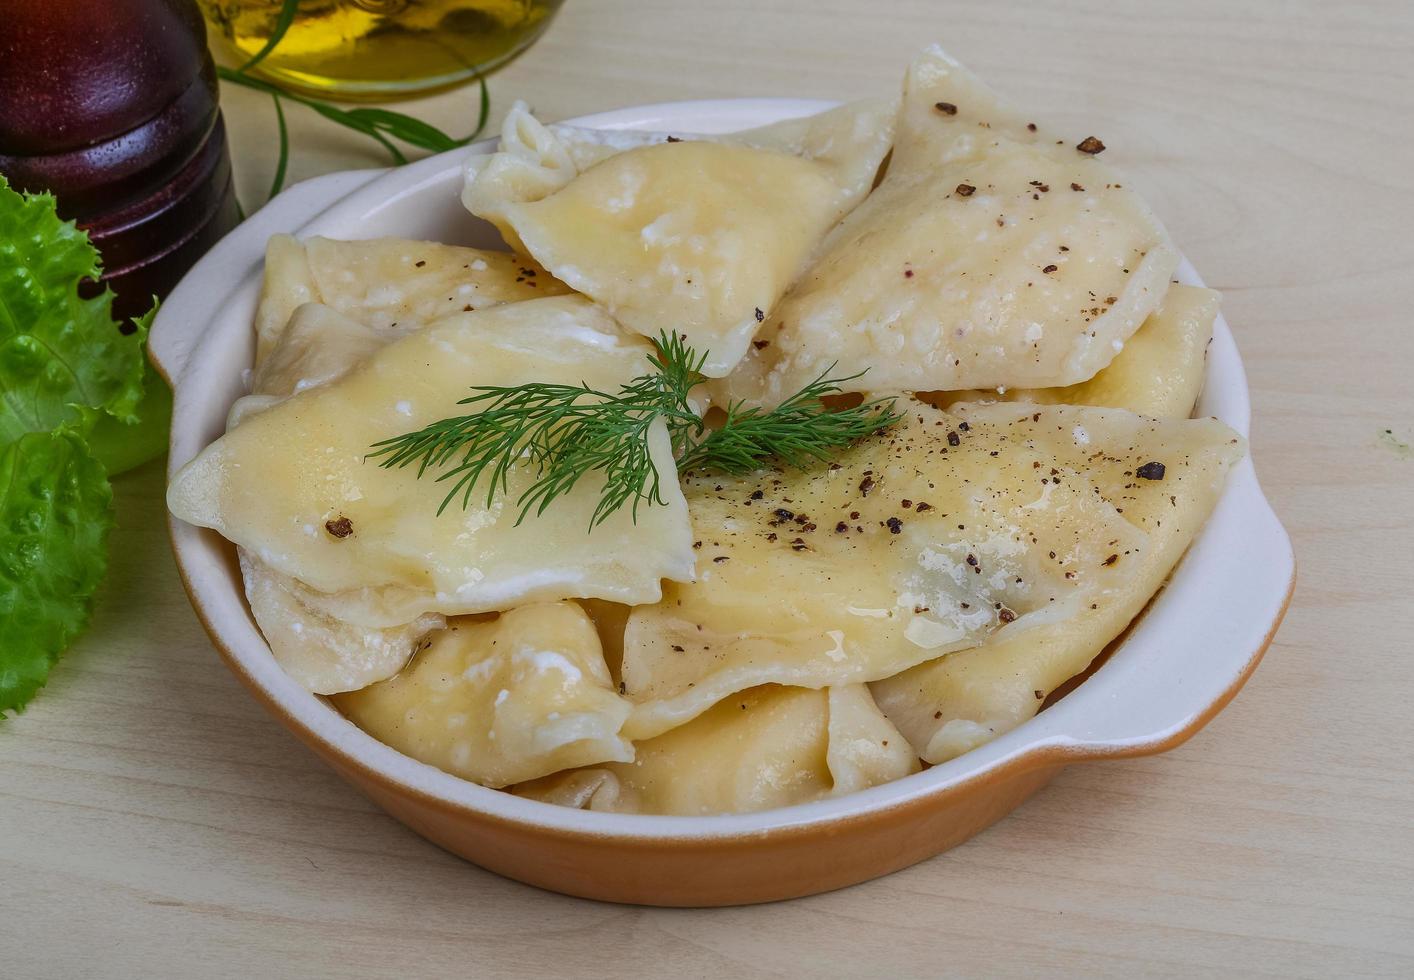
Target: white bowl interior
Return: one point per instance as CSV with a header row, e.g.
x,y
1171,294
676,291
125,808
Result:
x,y
1194,643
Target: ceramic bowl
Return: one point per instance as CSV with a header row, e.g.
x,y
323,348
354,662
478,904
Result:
x,y
1179,664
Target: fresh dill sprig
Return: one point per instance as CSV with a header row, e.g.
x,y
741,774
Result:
x,y
797,432
565,432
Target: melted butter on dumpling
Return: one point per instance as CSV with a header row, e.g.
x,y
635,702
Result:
x,y
388,284
988,257
700,235
293,484
503,701
1159,373
767,747
962,700
923,539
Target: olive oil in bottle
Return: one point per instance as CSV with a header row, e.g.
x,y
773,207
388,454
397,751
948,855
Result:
x,y
377,49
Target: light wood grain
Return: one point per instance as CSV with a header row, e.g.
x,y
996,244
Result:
x,y
154,822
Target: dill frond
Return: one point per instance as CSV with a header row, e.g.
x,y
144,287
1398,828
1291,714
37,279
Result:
x,y
565,432
797,433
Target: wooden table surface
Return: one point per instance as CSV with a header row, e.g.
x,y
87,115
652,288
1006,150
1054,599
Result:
x,y
154,822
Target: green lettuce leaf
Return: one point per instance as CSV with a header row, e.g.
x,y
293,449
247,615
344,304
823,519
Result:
x,y
120,446
59,353
72,409
56,509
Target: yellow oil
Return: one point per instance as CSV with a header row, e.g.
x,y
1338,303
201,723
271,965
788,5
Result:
x,y
378,49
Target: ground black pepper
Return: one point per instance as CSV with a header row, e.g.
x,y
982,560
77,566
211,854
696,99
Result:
x,y
339,527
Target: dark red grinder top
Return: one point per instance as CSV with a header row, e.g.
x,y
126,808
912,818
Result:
x,y
111,105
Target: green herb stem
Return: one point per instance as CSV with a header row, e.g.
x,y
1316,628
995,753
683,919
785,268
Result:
x,y
277,183
381,125
288,10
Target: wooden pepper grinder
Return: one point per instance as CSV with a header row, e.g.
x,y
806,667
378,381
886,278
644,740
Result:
x,y
111,105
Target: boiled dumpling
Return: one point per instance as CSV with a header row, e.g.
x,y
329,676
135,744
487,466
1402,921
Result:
x,y
864,747
293,484
928,538
312,635
317,345
699,236
503,701
320,652
388,283
990,256
1163,478
762,748
1159,373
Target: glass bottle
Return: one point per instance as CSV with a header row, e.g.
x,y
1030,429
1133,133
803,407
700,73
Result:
x,y
377,49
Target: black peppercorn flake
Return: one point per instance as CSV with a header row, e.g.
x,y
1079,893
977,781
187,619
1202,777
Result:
x,y
895,525
946,108
1150,471
339,527
965,190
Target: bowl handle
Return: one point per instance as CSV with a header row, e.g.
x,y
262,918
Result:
x,y
177,329
1176,671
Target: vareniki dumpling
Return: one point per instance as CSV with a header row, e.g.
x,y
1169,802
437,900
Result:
x,y
990,256
388,284
960,701
946,532
767,747
504,701
294,485
700,235
1159,373
321,651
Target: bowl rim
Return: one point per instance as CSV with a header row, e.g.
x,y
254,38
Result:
x,y
1055,736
